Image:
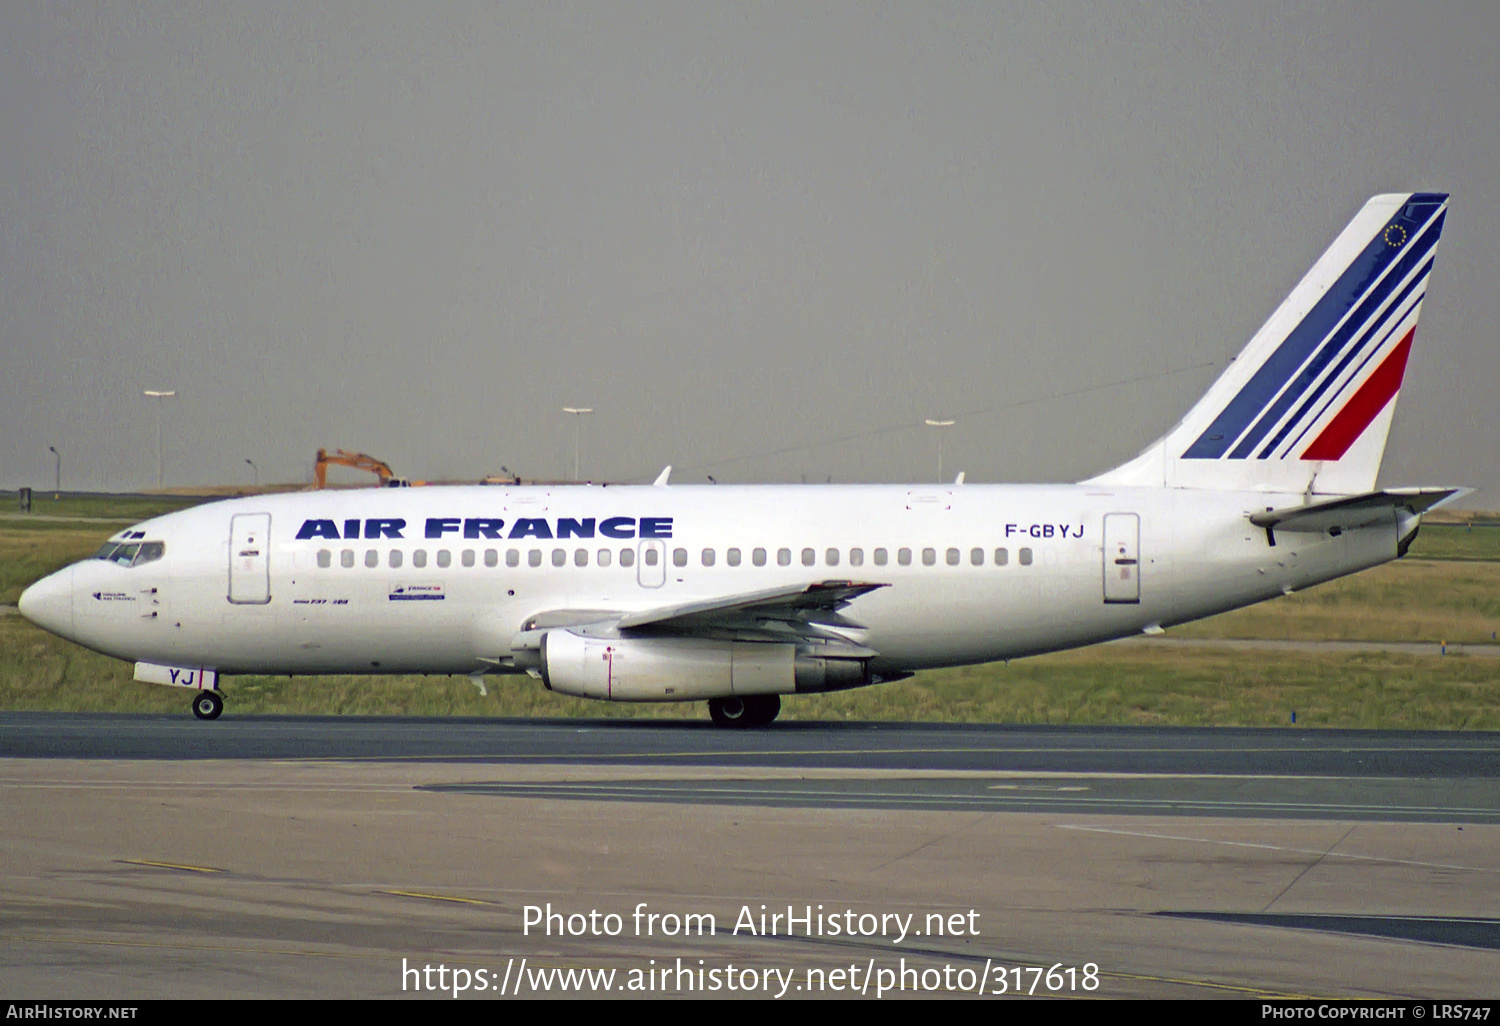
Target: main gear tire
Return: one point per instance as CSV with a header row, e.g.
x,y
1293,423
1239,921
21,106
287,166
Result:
x,y
743,712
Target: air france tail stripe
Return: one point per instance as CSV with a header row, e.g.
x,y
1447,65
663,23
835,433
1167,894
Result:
x,y
1363,408
1382,326
1364,272
1411,256
1408,318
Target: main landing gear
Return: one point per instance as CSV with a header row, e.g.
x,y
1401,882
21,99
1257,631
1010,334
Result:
x,y
207,705
744,712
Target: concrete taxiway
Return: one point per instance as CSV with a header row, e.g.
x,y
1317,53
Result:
x,y
275,856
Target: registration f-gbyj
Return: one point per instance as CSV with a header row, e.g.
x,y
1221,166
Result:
x,y
739,595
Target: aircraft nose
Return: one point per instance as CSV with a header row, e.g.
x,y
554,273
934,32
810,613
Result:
x,y
49,603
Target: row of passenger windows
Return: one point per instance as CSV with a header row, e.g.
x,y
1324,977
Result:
x,y
708,557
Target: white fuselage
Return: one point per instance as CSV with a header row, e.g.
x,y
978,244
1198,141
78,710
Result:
x,y
995,571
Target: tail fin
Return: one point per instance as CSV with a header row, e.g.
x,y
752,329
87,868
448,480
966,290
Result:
x,y
1307,405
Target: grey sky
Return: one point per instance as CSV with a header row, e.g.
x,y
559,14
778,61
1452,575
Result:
x,y
419,231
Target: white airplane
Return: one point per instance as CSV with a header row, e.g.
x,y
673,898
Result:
x,y
739,595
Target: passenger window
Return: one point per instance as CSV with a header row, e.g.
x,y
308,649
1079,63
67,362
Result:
x,y
708,557
346,558
903,556
929,557
395,558
325,558
809,557
419,558
512,557
534,557
758,557
1025,557
605,556
831,557
952,557
445,558
150,552
1002,557
976,556
783,557
880,557
372,558
732,557
492,557
650,557
468,558
559,557
627,557
581,557
679,557
856,557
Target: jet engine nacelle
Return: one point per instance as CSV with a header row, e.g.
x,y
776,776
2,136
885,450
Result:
x,y
686,669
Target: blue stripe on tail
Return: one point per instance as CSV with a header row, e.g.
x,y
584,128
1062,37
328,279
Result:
x,y
1362,274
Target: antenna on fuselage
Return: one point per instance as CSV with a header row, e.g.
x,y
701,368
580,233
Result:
x,y
661,479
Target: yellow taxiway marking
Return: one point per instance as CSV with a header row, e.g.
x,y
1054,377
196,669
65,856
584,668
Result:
x,y
169,865
436,897
1211,985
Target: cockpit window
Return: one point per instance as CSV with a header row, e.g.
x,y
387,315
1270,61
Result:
x,y
124,555
133,554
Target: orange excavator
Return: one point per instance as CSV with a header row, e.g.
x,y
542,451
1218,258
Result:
x,y
357,460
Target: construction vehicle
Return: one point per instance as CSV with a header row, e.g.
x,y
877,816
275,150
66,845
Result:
x,y
359,461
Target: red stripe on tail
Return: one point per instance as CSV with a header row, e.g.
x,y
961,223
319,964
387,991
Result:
x,y
1356,415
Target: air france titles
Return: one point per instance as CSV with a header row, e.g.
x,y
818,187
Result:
x,y
491,527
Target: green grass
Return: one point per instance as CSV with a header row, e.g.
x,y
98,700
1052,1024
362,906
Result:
x,y
1409,600
33,551
1448,589
1480,540
124,507
1102,685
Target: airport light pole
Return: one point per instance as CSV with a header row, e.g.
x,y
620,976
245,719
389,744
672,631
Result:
x,y
257,471
158,396
57,485
578,414
940,424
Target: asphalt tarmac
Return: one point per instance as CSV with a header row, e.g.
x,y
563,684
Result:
x,y
159,856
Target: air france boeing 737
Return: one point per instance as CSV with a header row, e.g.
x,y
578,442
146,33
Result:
x,y
742,594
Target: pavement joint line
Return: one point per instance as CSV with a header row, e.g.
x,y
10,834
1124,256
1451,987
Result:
x,y
590,757
237,949
1277,847
972,802
648,787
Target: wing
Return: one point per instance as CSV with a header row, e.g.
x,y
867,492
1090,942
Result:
x,y
780,610
802,613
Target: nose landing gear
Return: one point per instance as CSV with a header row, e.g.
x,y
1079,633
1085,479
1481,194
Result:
x,y
207,705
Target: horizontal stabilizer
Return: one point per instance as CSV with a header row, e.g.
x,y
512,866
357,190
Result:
x,y
1357,511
